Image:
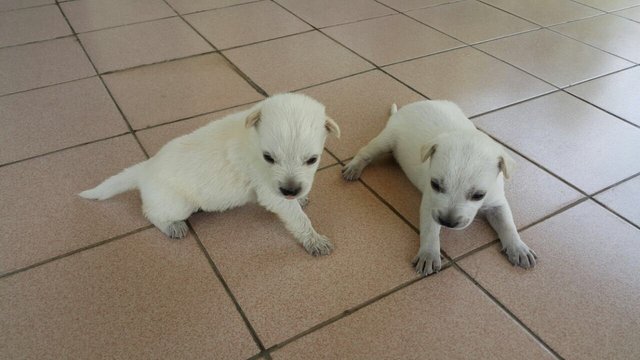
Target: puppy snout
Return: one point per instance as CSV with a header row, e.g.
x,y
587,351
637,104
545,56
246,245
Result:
x,y
290,190
448,222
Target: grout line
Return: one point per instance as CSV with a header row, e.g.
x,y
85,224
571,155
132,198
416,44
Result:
x,y
36,42
420,8
24,8
72,252
218,8
602,109
116,71
514,104
614,185
46,86
219,276
614,212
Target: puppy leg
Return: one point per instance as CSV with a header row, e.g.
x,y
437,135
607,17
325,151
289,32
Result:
x,y
380,144
297,222
501,221
428,259
166,210
304,201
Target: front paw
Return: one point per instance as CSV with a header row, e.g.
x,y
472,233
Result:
x,y
318,245
427,262
519,254
352,170
303,201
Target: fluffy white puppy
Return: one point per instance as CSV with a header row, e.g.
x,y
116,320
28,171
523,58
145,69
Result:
x,y
459,170
268,154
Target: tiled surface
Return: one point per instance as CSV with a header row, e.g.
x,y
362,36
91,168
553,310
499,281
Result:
x,y
34,24
566,61
86,279
558,300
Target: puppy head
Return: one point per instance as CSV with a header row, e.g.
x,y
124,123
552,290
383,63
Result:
x,y
463,166
291,131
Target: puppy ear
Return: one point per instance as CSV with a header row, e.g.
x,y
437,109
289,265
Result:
x,y
252,119
506,165
427,151
332,127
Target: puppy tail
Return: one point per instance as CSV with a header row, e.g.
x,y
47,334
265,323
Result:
x,y
119,183
394,108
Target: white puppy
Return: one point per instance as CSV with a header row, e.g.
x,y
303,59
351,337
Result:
x,y
268,154
458,169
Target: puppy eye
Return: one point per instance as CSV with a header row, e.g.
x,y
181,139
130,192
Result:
x,y
268,158
435,186
477,196
312,160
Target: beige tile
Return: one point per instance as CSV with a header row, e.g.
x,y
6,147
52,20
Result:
x,y
581,297
404,5
139,44
623,199
35,24
227,27
321,13
631,13
566,61
610,33
143,296
472,21
29,66
42,216
295,62
610,5
391,39
85,15
545,12
189,6
159,93
617,93
532,194
569,137
444,315
360,105
55,117
20,4
284,290
476,81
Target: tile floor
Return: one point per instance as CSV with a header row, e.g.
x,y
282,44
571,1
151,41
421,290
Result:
x,y
88,87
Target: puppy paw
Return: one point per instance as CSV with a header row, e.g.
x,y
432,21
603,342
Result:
x,y
427,263
303,201
318,245
519,254
177,230
352,171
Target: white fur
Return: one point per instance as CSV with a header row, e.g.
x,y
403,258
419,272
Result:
x,y
434,140
221,166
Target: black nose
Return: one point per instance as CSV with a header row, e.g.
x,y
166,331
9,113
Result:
x,y
290,191
447,222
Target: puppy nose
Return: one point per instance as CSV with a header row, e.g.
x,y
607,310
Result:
x,y
290,191
448,222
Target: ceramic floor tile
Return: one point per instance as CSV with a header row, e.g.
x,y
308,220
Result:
x,y
472,21
159,93
610,33
189,6
34,24
360,105
532,194
144,296
139,44
405,5
46,63
391,39
295,62
567,136
545,12
285,290
623,199
227,27
321,13
581,297
55,117
475,81
44,217
566,61
631,13
610,5
20,4
443,314
86,15
617,93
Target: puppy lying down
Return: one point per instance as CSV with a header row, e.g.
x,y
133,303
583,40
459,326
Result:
x,y
268,154
459,171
